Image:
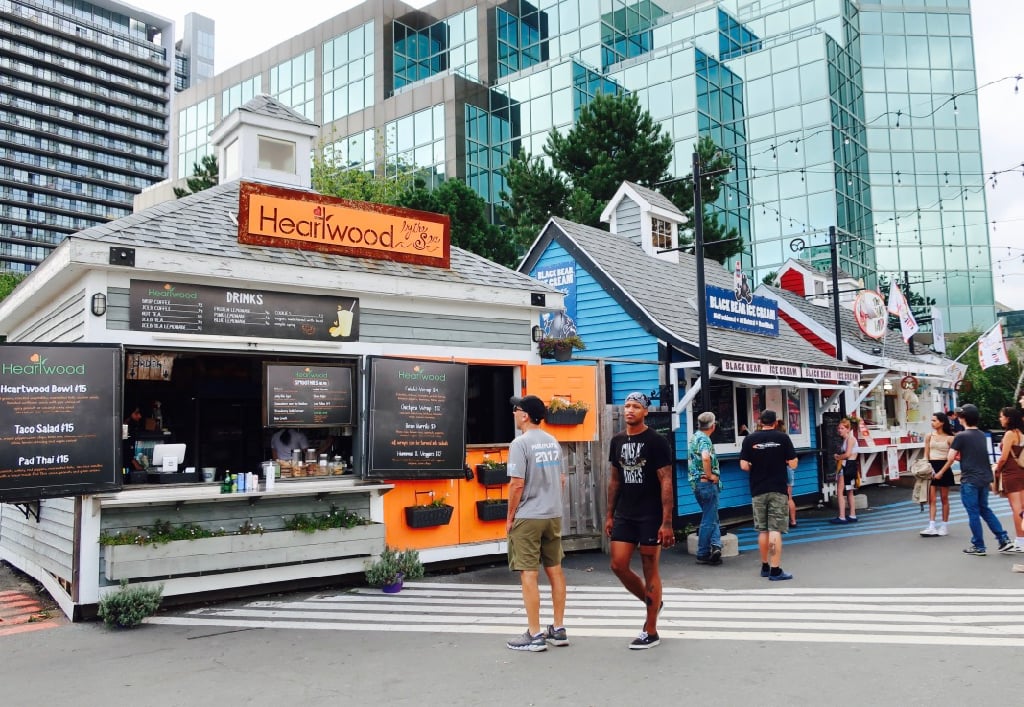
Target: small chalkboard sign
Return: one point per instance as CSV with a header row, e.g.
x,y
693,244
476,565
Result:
x,y
417,420
306,395
60,426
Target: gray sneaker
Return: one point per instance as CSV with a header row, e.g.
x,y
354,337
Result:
x,y
556,637
528,642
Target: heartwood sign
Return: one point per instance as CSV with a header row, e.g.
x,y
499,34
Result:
x,y
274,216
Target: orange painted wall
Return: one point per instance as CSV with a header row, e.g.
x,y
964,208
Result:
x,y
573,382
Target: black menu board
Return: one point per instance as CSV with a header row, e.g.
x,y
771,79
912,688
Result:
x,y
417,422
302,395
183,308
60,426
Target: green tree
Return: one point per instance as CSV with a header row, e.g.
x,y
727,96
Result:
x,y
990,389
613,140
205,174
334,179
8,281
470,228
536,193
720,243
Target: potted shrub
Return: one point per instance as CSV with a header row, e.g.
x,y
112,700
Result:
x,y
491,473
392,568
559,349
428,515
565,412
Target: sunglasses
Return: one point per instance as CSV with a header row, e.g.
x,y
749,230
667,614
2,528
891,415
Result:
x,y
517,409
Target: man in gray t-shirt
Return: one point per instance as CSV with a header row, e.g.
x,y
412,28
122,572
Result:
x,y
975,477
534,523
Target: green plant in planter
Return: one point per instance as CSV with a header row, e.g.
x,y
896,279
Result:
x,y
128,606
393,564
558,404
548,345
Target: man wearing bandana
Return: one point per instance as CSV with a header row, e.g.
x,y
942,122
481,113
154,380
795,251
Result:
x,y
640,510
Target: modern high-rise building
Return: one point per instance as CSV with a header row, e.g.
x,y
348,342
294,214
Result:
x,y
85,96
858,114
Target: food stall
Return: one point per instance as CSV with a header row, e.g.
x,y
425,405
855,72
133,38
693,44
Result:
x,y
898,389
231,314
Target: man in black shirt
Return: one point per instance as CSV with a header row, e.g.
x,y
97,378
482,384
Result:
x,y
640,510
765,455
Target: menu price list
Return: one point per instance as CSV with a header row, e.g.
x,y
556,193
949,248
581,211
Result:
x,y
58,422
417,418
303,396
202,309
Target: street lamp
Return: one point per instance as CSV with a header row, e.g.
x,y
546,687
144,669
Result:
x,y
698,251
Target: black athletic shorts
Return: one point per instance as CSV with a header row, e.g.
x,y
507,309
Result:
x,y
636,531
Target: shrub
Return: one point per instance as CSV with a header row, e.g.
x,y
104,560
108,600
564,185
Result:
x,y
128,606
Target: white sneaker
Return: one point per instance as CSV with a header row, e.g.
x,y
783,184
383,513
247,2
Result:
x,y
929,531
943,530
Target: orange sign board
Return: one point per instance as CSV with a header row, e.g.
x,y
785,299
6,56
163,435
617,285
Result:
x,y
285,218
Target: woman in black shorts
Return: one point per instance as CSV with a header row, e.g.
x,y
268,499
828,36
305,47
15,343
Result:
x,y
936,446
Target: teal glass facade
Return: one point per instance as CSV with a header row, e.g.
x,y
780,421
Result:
x,y
835,112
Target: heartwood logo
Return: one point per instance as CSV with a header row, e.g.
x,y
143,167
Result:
x,y
38,366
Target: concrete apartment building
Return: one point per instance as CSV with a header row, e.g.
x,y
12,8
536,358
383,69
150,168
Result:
x,y
85,104
850,113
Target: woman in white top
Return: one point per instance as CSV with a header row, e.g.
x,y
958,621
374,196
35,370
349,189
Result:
x,y
936,447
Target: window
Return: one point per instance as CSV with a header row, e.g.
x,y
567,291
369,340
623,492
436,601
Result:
x,y
737,408
661,234
276,154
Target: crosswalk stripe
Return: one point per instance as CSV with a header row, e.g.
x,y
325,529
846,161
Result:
x,y
918,616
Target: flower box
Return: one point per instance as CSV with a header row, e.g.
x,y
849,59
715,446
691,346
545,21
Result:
x,y
428,516
492,510
492,475
565,417
234,552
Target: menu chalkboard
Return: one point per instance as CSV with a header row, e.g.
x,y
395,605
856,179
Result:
x,y
201,309
298,395
417,422
60,427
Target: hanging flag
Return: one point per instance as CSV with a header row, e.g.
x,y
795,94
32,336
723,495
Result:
x,y
898,306
991,350
938,332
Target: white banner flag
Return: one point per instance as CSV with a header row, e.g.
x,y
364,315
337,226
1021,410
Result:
x,y
898,306
938,332
991,351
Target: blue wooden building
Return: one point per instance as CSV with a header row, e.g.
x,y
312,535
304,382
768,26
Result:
x,y
633,299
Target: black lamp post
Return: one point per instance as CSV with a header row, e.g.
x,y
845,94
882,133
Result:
x,y
698,251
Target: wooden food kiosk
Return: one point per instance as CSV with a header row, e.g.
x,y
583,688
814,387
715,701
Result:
x,y
244,309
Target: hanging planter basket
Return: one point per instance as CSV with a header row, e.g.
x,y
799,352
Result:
x,y
492,510
428,516
566,417
492,475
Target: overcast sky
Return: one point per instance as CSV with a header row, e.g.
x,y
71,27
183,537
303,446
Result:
x,y
246,29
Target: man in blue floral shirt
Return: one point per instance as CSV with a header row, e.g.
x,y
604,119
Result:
x,y
706,484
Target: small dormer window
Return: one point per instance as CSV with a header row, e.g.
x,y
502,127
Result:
x,y
278,155
661,234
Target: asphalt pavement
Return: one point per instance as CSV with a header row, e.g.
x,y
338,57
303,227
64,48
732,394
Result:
x,y
217,656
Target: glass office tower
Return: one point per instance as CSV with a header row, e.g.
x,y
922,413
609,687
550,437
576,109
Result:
x,y
84,105
836,113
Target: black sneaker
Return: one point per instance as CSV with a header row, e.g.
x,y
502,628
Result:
x,y
528,642
1006,546
974,550
644,640
716,556
556,637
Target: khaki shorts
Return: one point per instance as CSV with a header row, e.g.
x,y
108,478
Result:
x,y
535,542
771,512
